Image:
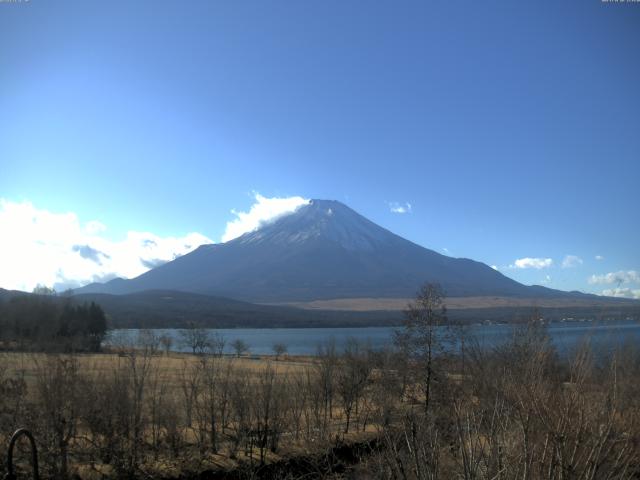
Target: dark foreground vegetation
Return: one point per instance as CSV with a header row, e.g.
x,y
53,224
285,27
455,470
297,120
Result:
x,y
172,309
418,411
45,322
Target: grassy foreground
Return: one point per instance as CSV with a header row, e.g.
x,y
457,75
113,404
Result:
x,y
142,412
517,411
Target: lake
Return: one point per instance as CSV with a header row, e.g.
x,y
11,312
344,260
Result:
x,y
304,341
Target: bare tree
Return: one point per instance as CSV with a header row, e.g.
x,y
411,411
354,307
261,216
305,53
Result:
x,y
279,349
167,342
212,402
419,337
189,381
387,389
58,385
141,368
155,400
352,377
107,413
298,400
148,341
240,404
268,410
326,362
216,344
195,338
240,347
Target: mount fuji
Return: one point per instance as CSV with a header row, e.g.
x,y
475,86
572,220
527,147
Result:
x,y
323,251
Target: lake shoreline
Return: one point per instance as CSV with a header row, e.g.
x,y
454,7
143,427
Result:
x,y
305,341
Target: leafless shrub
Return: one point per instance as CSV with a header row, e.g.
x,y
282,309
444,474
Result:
x,y
279,349
57,384
352,378
240,347
198,340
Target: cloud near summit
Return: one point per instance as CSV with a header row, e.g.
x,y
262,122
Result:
x,y
60,251
263,210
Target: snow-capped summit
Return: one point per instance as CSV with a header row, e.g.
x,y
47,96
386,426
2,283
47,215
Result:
x,y
323,250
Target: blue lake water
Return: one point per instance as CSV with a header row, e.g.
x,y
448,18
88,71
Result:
x,y
566,336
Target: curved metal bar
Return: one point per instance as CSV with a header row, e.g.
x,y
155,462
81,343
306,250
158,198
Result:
x,y
34,454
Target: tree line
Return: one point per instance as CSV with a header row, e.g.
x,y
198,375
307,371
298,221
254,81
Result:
x,y
45,322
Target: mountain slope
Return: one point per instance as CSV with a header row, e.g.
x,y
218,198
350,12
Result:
x,y
172,309
324,250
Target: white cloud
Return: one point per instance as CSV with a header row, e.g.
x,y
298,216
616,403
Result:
x,y
395,207
495,267
262,211
546,280
599,257
94,227
630,276
536,263
571,261
56,249
622,293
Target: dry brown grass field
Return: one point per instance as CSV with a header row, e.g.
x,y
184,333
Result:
x,y
168,365
178,386
512,412
459,303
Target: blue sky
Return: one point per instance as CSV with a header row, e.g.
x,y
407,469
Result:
x,y
511,128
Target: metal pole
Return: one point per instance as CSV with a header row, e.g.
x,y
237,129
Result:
x,y
34,454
